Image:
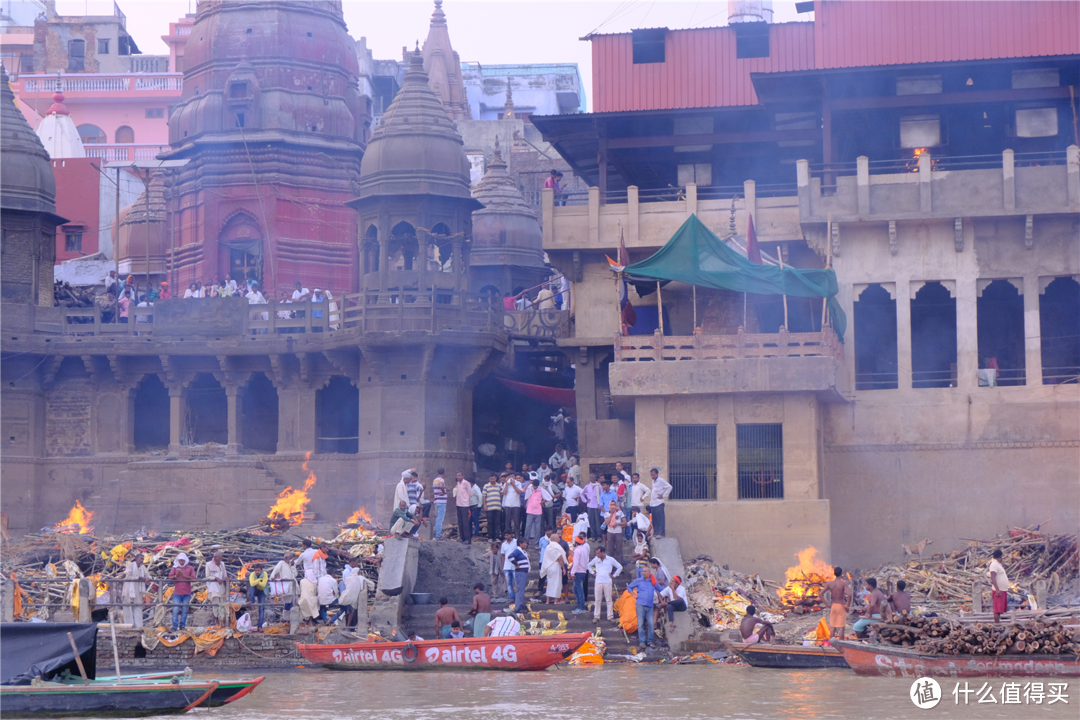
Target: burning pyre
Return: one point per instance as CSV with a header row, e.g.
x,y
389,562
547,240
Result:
x,y
291,503
805,580
77,522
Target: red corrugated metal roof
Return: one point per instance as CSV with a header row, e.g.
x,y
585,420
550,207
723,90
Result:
x,y
897,32
701,69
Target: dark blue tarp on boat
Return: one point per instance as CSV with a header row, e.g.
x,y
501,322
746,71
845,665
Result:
x,y
28,650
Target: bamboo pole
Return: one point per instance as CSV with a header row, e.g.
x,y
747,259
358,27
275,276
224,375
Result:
x,y
115,650
828,265
78,658
780,254
660,306
695,307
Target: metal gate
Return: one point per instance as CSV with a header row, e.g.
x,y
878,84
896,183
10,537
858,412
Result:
x,y
692,461
760,449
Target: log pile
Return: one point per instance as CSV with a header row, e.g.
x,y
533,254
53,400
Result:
x,y
46,565
934,636
943,583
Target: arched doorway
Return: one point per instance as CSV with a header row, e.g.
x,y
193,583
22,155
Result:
x,y
91,134
125,135
240,249
403,247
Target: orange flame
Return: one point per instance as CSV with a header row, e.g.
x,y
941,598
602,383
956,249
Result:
x,y
913,164
360,515
805,579
291,503
79,516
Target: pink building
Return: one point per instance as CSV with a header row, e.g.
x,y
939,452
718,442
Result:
x,y
118,97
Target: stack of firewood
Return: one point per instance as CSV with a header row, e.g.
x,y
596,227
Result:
x,y
939,635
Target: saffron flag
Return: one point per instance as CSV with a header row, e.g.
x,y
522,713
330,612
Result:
x,y
753,252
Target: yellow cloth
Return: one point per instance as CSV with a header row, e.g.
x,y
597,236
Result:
x,y
259,581
117,553
626,607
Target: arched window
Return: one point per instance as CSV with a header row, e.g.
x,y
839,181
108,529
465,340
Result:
x,y
92,135
124,135
441,251
403,247
370,250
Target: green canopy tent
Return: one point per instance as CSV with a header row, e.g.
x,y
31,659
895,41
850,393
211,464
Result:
x,y
696,256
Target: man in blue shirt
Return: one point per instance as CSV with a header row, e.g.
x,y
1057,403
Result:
x,y
520,560
607,496
646,617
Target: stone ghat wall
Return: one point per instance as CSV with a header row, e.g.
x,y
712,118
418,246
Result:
x,y
248,651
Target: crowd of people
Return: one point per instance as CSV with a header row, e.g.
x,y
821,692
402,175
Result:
x,y
579,529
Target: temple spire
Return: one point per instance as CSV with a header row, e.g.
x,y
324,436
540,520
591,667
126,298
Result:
x,y
443,67
508,107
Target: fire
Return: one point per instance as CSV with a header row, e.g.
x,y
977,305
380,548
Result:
x,y
804,580
79,517
291,503
361,515
913,164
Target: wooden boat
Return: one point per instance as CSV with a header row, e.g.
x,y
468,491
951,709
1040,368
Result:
x,y
519,652
227,690
136,699
893,661
768,655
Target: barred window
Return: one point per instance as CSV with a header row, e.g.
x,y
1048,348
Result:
x,y
760,449
692,461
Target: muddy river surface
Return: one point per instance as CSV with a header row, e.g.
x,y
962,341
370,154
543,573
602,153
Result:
x,y
626,692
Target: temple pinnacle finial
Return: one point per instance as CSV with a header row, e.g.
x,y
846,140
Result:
x,y
508,107
438,17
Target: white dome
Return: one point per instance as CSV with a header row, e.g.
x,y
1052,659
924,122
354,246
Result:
x,y
58,133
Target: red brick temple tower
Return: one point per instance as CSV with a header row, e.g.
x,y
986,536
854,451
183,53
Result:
x,y
274,127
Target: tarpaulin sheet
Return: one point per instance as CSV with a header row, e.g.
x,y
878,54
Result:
x,y
555,396
696,256
33,649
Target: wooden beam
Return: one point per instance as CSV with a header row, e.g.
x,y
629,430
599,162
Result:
x,y
954,98
714,138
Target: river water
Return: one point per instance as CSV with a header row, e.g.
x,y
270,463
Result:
x,y
619,692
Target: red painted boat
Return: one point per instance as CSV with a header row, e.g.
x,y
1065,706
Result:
x,y
893,661
518,652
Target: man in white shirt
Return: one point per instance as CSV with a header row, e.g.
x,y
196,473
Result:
x,y
328,595
301,293
673,599
543,472
546,298
559,459
509,571
217,588
570,498
505,626
307,561
605,568
661,491
401,490
999,586
638,493
512,504
639,521
574,471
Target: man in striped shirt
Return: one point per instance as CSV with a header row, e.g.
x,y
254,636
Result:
x,y
493,507
438,495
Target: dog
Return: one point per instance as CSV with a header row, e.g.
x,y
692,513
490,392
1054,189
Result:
x,y
917,548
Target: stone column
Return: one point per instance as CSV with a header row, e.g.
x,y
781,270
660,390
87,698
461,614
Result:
x,y
903,333
1032,331
127,431
296,418
423,240
384,258
177,408
456,263
967,335
234,395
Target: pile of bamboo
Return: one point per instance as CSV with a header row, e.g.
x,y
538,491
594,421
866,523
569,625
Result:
x,y
938,635
47,565
944,583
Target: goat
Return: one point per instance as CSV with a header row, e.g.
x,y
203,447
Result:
x,y
917,548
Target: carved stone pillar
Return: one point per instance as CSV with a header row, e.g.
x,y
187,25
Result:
x,y
234,396
177,408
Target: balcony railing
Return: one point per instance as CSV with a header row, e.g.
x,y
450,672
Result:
x,y
536,323
699,346
103,83
122,152
353,312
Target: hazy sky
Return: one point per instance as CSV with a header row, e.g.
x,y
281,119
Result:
x,y
507,31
